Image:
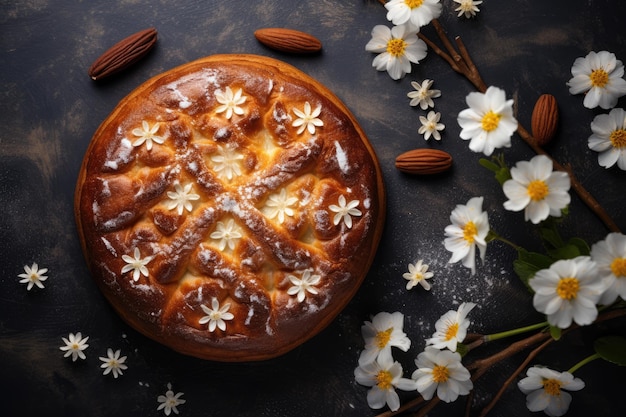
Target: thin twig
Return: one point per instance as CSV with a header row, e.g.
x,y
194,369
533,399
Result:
x,y
462,63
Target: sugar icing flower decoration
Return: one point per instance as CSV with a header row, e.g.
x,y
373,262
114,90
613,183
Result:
x,y
148,135
33,276
599,76
303,285
537,189
137,264
417,12
488,122
227,162
467,8
226,234
568,291
230,102
545,390
279,205
170,401
610,257
74,346
431,126
451,328
469,229
609,138
344,211
441,371
384,375
423,95
181,198
216,316
113,363
397,48
383,332
307,118
418,275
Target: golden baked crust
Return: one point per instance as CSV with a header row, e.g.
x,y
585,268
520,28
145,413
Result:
x,y
217,186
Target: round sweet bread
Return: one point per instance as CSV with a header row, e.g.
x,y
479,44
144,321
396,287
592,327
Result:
x,y
230,208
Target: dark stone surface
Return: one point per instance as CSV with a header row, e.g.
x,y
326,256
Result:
x,y
49,108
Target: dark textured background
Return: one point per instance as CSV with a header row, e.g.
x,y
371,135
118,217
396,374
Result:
x,y
49,108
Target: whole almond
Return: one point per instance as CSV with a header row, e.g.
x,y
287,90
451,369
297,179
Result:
x,y
424,161
123,54
288,40
545,119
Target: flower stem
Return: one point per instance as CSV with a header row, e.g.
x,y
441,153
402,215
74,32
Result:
x,y
513,332
583,362
493,235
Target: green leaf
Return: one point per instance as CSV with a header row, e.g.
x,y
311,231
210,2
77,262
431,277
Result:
x,y
612,349
555,332
565,252
489,165
583,247
503,175
550,235
528,263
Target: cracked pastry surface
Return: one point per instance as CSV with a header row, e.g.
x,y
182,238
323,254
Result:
x,y
230,208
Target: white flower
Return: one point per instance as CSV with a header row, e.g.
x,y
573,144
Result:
x,y
279,205
417,275
599,76
181,198
147,134
384,376
345,211
303,285
418,12
488,122
74,346
33,276
229,102
441,370
136,264
469,228
216,315
545,390
451,328
568,290
467,8
431,125
227,234
609,138
610,258
227,163
423,95
170,401
381,334
113,363
536,189
307,119
397,48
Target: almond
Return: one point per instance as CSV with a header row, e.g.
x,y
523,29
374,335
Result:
x,y
424,161
545,119
123,54
288,40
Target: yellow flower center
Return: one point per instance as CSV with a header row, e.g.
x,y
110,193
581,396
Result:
x,y
382,337
552,387
567,288
537,190
490,121
413,4
440,374
383,380
452,331
618,267
599,78
396,47
469,232
618,138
